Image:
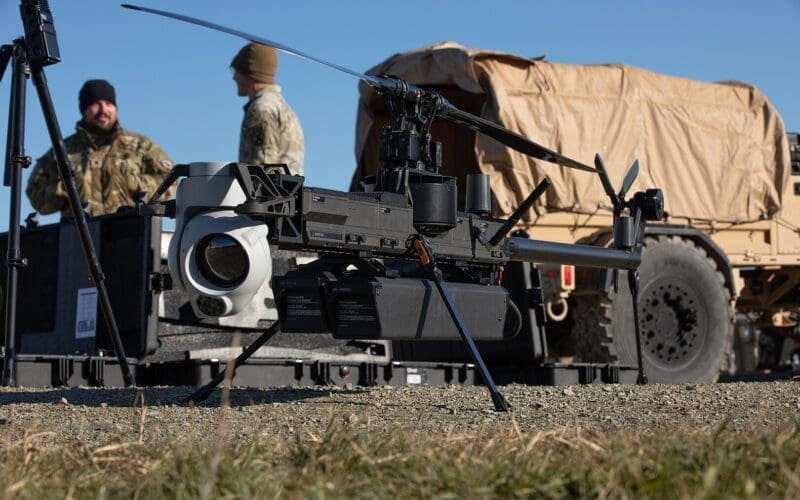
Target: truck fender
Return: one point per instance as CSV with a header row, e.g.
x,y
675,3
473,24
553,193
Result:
x,y
699,238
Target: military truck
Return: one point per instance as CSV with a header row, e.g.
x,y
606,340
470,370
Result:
x,y
720,273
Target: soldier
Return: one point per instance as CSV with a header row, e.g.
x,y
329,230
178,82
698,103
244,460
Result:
x,y
271,132
112,166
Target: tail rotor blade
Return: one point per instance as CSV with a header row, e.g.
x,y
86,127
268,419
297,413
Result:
x,y
605,179
629,178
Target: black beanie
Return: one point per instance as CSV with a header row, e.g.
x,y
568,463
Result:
x,y
96,90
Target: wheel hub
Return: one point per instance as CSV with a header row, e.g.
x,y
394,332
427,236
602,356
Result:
x,y
672,327
666,322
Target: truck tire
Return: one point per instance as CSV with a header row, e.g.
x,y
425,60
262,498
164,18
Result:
x,y
685,316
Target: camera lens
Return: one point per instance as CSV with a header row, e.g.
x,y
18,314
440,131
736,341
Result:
x,y
222,260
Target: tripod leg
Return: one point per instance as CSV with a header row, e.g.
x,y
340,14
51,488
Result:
x,y
67,176
15,161
204,392
633,284
500,403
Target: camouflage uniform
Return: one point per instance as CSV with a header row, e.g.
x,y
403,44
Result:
x,y
271,132
110,172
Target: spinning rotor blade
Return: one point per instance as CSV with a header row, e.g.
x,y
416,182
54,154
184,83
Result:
x,y
253,38
384,85
396,87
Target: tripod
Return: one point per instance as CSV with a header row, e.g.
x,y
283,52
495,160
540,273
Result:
x,y
28,56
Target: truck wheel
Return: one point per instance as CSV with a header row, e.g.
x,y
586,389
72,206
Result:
x,y
685,316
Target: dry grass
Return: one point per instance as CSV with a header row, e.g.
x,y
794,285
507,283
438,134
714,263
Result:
x,y
348,461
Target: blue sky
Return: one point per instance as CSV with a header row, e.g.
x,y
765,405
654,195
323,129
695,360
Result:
x,y
173,82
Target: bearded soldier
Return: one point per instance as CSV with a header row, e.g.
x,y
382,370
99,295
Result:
x,y
113,166
271,132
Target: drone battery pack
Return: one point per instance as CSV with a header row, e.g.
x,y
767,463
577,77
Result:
x,y
413,309
298,298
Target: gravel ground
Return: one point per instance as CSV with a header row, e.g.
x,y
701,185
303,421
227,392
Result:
x,y
99,416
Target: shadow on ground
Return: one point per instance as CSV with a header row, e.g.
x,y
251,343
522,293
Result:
x,y
160,396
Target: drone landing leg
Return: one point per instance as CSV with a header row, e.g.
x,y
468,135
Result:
x,y
204,392
426,258
633,284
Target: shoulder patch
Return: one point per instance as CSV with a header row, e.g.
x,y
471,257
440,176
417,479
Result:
x,y
255,135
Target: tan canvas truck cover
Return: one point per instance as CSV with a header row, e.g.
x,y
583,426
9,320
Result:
x,y
718,150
